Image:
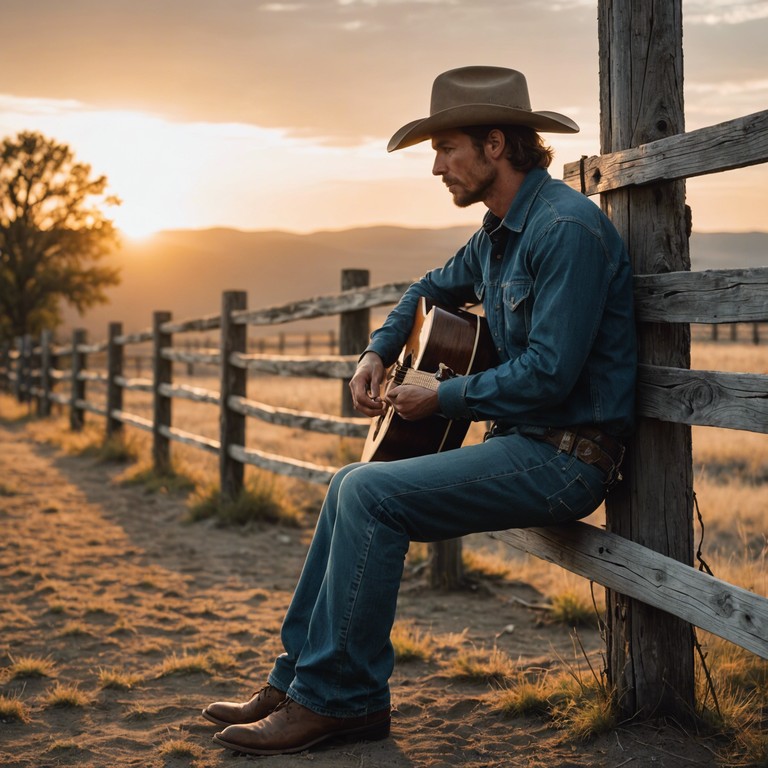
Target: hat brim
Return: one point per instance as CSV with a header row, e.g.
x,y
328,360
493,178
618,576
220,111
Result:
x,y
478,114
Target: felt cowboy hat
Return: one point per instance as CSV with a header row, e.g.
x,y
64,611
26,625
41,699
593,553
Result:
x,y
479,96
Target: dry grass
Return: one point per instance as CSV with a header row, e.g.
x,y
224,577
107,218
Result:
x,y
206,663
181,748
66,695
262,501
118,679
29,667
13,709
482,665
525,693
411,644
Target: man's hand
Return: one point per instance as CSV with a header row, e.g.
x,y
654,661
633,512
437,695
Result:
x,y
365,385
412,402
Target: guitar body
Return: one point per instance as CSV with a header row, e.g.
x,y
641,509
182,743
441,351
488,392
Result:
x,y
457,339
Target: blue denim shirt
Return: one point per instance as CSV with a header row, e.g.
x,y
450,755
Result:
x,y
555,283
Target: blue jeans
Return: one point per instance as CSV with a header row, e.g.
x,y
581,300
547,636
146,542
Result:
x,y
338,657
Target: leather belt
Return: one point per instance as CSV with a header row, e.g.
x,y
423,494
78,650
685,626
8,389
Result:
x,y
590,445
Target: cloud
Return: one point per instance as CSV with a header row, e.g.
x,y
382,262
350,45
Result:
x,y
714,12
282,7
728,88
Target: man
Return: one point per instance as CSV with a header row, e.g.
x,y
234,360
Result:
x,y
555,284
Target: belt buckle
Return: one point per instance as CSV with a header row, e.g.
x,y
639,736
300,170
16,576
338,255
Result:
x,y
567,441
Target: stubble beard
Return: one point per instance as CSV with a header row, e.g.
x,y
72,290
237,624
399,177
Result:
x,y
465,196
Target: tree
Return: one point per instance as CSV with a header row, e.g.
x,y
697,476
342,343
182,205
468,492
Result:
x,y
53,235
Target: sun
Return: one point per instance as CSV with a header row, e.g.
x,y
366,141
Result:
x,y
134,221
137,231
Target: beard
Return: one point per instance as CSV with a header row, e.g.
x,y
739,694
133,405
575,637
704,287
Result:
x,y
474,189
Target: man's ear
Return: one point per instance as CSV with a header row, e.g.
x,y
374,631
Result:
x,y
495,144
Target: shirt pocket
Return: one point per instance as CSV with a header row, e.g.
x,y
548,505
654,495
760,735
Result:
x,y
516,296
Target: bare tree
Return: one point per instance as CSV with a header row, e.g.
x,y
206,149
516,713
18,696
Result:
x,y
53,235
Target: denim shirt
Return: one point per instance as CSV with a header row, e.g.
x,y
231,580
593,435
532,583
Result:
x,y
555,284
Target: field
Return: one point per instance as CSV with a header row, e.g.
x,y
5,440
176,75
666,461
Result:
x,y
119,619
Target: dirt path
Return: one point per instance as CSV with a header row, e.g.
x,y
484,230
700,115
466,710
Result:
x,y
147,619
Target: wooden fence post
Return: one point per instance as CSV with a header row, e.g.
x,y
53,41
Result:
x,y
162,373
115,359
233,382
5,361
44,401
354,330
77,391
650,652
446,569
17,377
25,369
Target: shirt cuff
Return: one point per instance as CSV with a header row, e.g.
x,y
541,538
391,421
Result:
x,y
451,396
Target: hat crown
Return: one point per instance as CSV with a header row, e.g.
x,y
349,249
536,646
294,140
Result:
x,y
480,85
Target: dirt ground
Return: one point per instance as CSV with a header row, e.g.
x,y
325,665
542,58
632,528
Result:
x,y
105,581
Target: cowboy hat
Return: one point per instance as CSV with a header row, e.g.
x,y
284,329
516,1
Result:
x,y
479,96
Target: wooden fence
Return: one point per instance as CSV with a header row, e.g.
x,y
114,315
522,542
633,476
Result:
x,y
654,593
644,557
34,371
735,400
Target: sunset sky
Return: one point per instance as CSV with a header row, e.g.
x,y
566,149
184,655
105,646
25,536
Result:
x,y
276,115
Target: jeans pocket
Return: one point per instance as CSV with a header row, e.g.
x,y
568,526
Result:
x,y
577,499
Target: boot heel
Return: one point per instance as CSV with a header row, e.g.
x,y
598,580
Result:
x,y
374,732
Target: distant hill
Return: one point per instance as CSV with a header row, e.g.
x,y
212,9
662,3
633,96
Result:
x,y
185,271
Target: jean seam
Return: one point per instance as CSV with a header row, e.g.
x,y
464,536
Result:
x,y
355,586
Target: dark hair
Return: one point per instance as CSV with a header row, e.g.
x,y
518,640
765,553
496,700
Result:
x,y
525,148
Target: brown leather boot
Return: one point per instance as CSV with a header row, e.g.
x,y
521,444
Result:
x,y
294,728
258,706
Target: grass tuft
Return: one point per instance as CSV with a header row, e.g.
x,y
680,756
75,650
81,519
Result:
x,y
186,664
29,667
171,481
572,610
13,709
117,679
485,564
7,490
587,714
118,449
179,748
481,665
74,629
410,644
64,695
260,501
526,694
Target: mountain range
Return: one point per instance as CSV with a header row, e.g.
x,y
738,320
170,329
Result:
x,y
185,271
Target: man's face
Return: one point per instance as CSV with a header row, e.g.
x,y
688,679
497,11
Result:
x,y
466,171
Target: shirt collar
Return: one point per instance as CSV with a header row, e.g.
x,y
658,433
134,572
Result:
x,y
517,214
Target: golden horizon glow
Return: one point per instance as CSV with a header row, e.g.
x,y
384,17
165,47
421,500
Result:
x,y
174,175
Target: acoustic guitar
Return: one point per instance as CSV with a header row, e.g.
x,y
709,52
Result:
x,y
443,343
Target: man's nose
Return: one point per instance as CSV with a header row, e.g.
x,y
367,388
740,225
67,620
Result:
x,y
438,167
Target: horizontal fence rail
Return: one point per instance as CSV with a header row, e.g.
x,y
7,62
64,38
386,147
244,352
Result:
x,y
733,144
